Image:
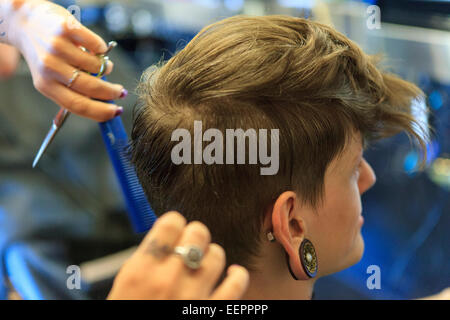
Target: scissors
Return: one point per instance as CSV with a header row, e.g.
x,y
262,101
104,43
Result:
x,y
61,117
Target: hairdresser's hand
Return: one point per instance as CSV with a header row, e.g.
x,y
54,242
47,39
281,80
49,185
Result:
x,y
153,273
443,295
9,59
49,38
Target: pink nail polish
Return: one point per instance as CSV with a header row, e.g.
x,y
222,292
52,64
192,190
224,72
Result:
x,y
119,111
124,93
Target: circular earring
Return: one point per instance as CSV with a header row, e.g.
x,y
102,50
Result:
x,y
308,258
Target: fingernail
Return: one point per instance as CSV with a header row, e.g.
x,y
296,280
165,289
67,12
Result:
x,y
119,111
124,93
109,65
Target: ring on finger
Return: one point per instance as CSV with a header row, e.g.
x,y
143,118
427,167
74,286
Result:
x,y
75,75
103,65
192,256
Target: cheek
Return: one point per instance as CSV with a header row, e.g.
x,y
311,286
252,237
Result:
x,y
338,229
348,217
343,212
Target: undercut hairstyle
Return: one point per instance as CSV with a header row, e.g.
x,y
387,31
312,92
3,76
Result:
x,y
273,72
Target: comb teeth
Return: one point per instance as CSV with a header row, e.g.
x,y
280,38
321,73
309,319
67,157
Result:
x,y
142,213
139,210
145,212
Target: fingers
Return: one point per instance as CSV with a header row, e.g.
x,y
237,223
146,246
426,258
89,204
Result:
x,y
150,275
201,282
166,231
234,285
109,67
196,234
213,263
84,84
205,278
76,57
81,35
93,87
77,103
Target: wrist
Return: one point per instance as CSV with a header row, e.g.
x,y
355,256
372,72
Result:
x,y
4,22
11,12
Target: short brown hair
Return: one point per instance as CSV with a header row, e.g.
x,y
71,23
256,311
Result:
x,y
301,77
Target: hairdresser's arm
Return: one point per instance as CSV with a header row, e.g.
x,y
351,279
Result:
x,y
49,37
153,273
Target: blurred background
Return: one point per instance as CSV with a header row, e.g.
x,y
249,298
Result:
x,y
69,210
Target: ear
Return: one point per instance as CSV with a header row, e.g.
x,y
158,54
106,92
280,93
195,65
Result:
x,y
289,229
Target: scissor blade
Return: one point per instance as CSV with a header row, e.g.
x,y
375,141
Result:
x,y
48,139
62,115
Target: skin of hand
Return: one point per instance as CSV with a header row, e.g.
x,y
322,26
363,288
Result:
x,y
155,273
9,60
443,295
49,38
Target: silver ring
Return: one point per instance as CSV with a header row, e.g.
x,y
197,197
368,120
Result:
x,y
75,75
192,256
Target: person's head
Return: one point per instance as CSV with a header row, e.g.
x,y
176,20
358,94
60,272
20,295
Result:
x,y
324,95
